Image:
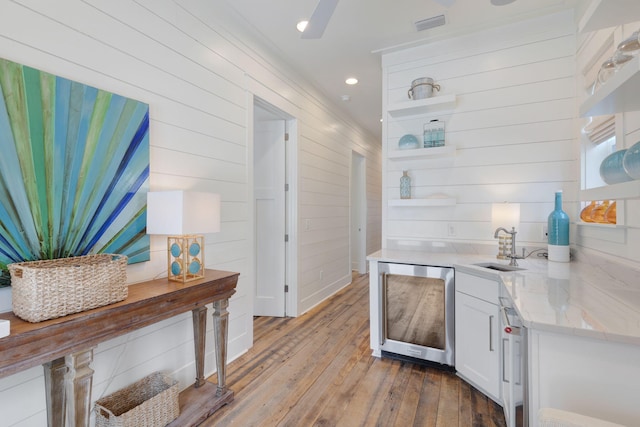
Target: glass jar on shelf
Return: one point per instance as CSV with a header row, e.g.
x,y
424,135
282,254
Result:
x,y
433,135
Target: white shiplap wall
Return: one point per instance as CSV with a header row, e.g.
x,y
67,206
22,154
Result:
x,y
513,126
192,65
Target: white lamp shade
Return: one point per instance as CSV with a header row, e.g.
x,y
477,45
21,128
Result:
x,y
505,215
182,212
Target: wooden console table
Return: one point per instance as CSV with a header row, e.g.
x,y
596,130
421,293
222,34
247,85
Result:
x,y
64,346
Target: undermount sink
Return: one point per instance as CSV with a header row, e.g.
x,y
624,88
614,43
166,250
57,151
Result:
x,y
498,267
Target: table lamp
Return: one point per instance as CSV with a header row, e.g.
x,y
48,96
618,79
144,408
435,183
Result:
x,y
505,215
184,216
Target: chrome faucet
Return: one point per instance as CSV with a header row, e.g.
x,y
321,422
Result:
x,y
512,255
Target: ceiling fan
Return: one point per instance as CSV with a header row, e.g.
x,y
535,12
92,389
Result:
x,y
319,19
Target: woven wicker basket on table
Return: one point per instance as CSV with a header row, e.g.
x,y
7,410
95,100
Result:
x,y
48,289
150,402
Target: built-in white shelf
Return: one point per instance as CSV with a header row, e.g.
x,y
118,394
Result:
x,y
418,153
609,13
622,191
449,201
599,225
421,106
616,95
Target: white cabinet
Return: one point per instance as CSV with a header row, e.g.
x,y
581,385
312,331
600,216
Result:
x,y
477,333
512,374
592,377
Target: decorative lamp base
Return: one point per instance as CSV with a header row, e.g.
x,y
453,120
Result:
x,y
558,253
504,246
185,258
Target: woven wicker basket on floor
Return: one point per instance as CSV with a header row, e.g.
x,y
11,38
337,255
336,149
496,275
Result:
x,y
48,289
150,402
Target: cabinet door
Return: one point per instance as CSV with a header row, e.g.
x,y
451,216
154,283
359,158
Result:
x,y
512,378
477,344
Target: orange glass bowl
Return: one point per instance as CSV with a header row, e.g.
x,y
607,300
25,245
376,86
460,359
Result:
x,y
585,214
597,214
610,214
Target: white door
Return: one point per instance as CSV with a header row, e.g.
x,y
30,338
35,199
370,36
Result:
x,y
270,220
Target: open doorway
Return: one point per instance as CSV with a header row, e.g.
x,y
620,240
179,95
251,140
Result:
x,y
358,229
272,202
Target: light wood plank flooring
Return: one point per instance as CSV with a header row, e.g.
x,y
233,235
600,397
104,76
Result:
x,y
317,370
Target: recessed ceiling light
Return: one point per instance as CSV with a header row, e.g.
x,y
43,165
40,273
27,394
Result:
x,y
346,98
501,2
302,25
351,81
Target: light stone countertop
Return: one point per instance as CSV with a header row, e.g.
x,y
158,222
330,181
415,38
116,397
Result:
x,y
591,296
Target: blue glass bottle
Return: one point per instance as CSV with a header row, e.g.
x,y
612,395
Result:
x,y
558,232
405,186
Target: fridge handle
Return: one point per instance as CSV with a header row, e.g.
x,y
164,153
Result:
x,y
383,308
505,341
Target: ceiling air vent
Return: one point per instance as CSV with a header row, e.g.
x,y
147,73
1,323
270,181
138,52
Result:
x,y
434,21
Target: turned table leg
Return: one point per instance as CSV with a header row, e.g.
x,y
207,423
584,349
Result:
x,y
199,336
221,329
78,380
54,373
68,389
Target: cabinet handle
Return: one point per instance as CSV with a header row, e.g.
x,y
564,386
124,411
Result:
x,y
505,341
490,333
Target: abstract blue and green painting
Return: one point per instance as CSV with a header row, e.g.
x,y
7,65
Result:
x,y
74,169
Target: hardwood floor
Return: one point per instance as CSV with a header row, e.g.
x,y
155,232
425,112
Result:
x,y
317,370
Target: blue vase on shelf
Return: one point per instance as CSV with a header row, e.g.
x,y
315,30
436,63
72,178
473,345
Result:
x,y
558,232
631,161
405,186
612,168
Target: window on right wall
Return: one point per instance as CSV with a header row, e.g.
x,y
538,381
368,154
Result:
x,y
598,136
600,141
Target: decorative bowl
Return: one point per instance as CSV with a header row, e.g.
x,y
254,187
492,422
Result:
x,y
408,142
611,169
631,161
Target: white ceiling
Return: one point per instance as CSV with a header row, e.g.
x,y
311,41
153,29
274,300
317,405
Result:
x,y
359,29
